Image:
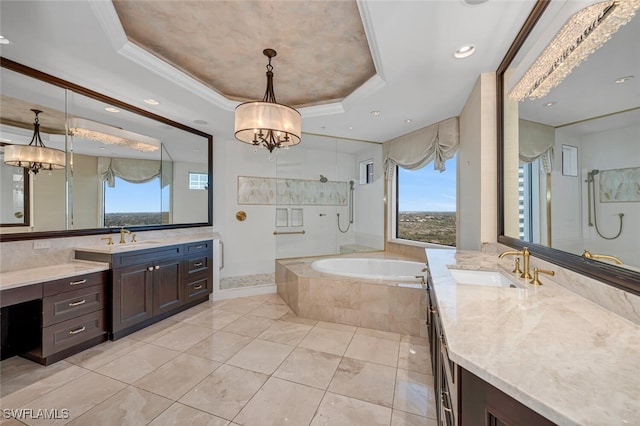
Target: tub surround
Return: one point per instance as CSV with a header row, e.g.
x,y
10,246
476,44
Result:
x,y
382,305
567,358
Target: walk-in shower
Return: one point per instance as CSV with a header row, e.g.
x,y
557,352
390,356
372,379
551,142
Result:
x,y
591,205
350,201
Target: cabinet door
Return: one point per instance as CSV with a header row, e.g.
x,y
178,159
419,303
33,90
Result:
x,y
167,289
132,295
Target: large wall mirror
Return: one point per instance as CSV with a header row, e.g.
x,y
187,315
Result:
x,y
124,166
570,186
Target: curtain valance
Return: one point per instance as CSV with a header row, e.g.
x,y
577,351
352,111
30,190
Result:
x,y
536,141
132,170
414,150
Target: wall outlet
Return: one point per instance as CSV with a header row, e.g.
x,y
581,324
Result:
x,y
41,244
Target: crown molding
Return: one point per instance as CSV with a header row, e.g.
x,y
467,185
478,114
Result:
x,y
365,16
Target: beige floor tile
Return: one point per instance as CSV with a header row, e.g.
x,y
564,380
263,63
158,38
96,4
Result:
x,y
414,358
179,414
415,340
177,376
10,422
221,318
308,367
225,391
271,311
99,355
240,305
151,333
341,410
327,340
269,298
248,325
183,337
220,346
364,380
400,418
374,349
378,333
288,333
192,312
22,381
206,318
280,402
261,356
338,327
77,396
414,393
130,406
137,363
292,317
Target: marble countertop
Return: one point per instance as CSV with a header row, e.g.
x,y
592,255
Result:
x,y
143,244
560,354
14,279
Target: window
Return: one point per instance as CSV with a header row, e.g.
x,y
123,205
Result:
x,y
198,180
132,204
426,204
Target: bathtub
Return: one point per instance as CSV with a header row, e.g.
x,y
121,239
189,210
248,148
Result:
x,y
370,268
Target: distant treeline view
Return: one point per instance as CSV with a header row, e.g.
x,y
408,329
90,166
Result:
x,y
135,219
429,227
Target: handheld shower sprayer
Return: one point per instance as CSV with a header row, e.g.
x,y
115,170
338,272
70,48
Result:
x,y
351,189
591,202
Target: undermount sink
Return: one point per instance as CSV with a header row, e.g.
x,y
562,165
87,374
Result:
x,y
483,278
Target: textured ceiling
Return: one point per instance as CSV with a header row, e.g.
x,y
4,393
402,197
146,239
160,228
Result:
x,y
17,113
323,53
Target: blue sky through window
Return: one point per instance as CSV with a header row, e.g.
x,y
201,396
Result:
x,y
428,190
129,197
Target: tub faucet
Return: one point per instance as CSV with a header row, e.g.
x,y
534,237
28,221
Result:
x,y
525,253
122,233
590,255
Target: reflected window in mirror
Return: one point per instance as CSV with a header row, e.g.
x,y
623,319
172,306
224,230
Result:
x,y
198,180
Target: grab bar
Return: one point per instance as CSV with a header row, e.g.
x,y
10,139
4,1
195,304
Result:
x,y
288,232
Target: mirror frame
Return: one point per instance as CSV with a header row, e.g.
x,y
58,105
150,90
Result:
x,y
621,278
39,75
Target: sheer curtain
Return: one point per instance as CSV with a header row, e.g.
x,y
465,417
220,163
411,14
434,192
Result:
x,y
436,143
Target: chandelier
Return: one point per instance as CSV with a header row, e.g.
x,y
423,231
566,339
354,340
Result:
x,y
35,156
268,123
584,33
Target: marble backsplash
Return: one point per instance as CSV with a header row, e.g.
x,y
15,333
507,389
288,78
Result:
x,y
623,303
18,255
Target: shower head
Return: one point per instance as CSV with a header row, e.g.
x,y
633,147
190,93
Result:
x,y
351,185
323,179
594,172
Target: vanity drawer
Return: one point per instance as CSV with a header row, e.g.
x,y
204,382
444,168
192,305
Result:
x,y
69,333
197,263
144,256
199,247
74,283
198,288
71,304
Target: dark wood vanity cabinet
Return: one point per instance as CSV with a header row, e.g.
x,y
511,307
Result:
x,y
154,283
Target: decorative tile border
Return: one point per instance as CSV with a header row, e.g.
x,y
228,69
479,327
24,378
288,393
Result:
x,y
264,190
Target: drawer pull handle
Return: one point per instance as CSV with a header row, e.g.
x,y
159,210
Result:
x,y
77,282
81,302
197,287
150,268
78,330
197,264
157,267
198,247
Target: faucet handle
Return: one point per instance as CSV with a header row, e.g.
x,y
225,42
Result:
x,y
517,269
536,271
133,238
110,240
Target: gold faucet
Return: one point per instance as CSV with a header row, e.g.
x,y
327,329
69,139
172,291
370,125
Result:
x,y
122,232
109,240
587,254
536,271
525,253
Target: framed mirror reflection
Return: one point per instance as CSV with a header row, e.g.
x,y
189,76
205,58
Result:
x,y
570,184
123,166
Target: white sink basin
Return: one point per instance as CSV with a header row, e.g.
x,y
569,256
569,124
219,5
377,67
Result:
x,y
483,278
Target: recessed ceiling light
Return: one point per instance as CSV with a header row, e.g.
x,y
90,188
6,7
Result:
x,y
151,101
376,113
200,122
112,109
623,79
408,120
473,2
552,103
465,51
4,40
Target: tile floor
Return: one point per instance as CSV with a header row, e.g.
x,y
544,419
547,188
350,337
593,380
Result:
x,y
247,361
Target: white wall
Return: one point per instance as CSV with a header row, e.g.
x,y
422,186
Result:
x,y
188,205
368,223
477,167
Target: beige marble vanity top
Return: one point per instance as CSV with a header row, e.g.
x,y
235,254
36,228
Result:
x,y
560,354
25,277
143,243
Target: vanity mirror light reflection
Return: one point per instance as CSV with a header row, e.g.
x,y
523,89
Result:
x,y
571,157
123,167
